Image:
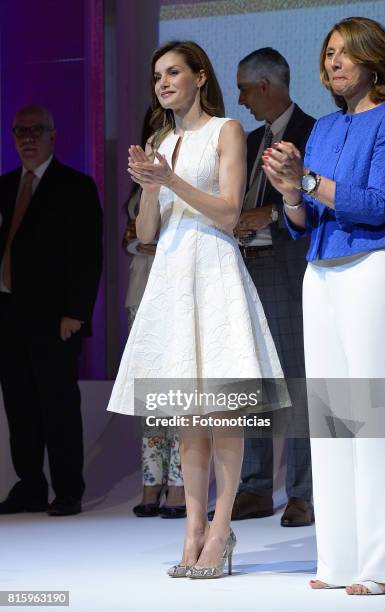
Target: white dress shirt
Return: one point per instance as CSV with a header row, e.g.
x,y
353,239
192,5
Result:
x,y
278,127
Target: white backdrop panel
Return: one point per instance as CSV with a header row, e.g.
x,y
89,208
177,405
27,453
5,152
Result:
x,y
296,33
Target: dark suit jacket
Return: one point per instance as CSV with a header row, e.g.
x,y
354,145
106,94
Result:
x,y
291,252
57,251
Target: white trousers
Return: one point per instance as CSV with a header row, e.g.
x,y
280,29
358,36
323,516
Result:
x,y
344,333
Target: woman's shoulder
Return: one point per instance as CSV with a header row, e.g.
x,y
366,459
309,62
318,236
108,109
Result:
x,y
222,128
370,119
228,125
227,128
227,120
229,134
327,120
327,126
372,113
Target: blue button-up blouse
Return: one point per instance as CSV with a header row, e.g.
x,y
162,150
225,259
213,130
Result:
x,y
350,150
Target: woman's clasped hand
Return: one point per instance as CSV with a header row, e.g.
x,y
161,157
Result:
x,y
144,170
283,166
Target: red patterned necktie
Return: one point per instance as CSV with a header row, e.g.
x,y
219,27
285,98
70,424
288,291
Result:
x,y
22,203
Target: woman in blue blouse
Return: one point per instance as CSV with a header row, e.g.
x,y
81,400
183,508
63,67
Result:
x,y
337,196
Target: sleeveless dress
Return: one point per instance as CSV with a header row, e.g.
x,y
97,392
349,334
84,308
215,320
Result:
x,y
200,316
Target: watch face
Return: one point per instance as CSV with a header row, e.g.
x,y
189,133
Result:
x,y
309,182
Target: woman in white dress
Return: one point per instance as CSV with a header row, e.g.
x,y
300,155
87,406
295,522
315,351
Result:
x,y
200,316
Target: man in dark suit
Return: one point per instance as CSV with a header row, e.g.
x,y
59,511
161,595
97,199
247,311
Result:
x,y
50,265
276,264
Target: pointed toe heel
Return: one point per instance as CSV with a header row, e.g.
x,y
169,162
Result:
x,y
178,571
217,571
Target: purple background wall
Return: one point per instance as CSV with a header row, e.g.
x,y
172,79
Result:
x,y
131,35
52,53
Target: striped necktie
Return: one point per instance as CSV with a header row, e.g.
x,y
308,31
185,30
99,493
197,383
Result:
x,y
257,186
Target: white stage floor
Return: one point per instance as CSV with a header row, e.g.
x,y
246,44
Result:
x,y
110,560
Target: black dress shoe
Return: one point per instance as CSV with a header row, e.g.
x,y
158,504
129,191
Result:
x,y
64,507
146,510
172,512
12,505
298,513
25,498
250,505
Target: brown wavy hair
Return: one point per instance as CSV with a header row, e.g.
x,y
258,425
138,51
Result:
x,y
211,99
364,41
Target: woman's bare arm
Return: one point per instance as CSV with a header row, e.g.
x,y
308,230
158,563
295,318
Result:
x,y
223,209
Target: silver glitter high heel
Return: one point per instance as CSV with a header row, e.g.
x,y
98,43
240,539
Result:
x,y
198,571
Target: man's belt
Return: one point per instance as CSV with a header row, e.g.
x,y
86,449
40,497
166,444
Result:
x,y
252,252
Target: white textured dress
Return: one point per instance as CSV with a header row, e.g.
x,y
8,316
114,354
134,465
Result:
x,y
200,316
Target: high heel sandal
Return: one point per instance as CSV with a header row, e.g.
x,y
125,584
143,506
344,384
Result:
x,y
323,585
145,510
372,588
168,511
198,571
172,512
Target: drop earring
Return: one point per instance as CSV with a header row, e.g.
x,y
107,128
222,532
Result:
x,y
375,78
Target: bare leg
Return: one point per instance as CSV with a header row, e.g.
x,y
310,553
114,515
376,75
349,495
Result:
x,y
228,455
195,451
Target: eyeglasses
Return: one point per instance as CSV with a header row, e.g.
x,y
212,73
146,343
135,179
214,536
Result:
x,y
34,131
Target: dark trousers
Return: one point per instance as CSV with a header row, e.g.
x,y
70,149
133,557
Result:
x,y
38,377
279,289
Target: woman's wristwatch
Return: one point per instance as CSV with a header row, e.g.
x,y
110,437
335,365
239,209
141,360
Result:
x,y
310,182
274,215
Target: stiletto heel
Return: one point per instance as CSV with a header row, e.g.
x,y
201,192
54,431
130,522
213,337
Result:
x,y
199,571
